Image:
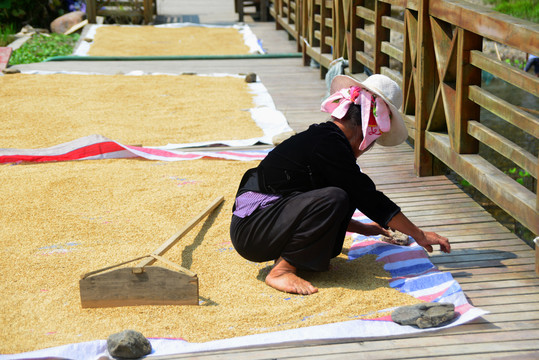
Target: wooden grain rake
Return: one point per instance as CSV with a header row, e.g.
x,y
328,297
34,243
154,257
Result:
x,y
144,284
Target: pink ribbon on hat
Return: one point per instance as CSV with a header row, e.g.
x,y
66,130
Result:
x,y
338,103
375,114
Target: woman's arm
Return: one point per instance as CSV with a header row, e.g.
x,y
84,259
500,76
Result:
x,y
424,238
369,229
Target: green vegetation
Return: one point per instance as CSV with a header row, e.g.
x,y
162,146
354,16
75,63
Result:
x,y
7,33
516,63
38,13
522,9
41,47
519,175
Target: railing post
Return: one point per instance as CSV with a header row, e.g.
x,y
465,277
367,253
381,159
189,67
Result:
x,y
313,41
278,7
425,89
299,24
380,34
339,28
354,44
465,109
305,31
91,11
148,11
324,30
409,62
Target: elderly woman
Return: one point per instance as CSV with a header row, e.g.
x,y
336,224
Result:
x,y
297,205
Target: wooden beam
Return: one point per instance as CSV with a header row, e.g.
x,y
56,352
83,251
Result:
x,y
381,34
148,11
506,72
465,109
425,89
91,11
365,36
364,13
392,74
339,28
399,3
499,107
408,69
514,198
393,51
354,45
365,59
505,147
488,23
393,24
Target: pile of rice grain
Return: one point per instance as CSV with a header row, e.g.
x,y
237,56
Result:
x,y
149,110
160,41
61,220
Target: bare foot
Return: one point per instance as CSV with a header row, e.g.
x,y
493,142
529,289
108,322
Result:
x,y
283,278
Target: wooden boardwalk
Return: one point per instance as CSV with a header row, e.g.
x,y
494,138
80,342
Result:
x,y
493,266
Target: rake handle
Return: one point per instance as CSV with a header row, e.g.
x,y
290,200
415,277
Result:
x,y
177,236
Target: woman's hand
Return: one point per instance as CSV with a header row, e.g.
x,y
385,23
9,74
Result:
x,y
431,238
423,238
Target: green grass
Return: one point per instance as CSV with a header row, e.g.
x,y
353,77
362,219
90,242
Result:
x,y
7,33
41,47
522,9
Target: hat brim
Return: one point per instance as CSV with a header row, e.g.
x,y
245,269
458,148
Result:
x,y
398,132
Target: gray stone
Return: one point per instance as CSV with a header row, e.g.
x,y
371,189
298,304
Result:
x,y
11,71
250,78
65,22
128,344
424,315
396,237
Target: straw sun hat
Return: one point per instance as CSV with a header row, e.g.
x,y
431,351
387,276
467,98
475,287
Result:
x,y
387,89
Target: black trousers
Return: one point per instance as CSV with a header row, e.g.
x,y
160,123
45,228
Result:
x,y
306,229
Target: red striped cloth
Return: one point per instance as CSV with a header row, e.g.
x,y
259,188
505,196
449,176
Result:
x,y
95,147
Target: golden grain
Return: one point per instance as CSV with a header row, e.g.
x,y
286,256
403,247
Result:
x,y
149,110
155,41
60,220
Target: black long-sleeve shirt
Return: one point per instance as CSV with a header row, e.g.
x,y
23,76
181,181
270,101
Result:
x,y
320,157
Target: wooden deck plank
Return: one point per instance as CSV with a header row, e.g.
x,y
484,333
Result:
x,y
503,355
388,180
494,270
410,348
502,284
450,211
464,255
445,206
435,184
497,300
485,326
441,189
487,239
497,292
480,278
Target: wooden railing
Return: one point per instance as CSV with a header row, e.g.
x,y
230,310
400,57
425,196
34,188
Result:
x,y
134,9
434,50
